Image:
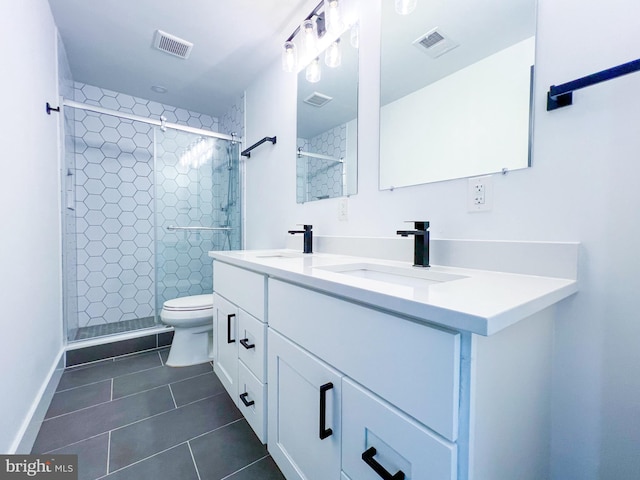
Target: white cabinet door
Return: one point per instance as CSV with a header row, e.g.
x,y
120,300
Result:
x,y
379,441
225,364
304,412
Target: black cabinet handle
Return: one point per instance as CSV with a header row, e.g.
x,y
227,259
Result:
x,y
229,317
324,431
244,396
368,455
245,343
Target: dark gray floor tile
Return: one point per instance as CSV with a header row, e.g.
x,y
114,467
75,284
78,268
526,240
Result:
x,y
73,427
174,464
77,377
226,450
92,456
81,397
140,440
147,379
196,388
265,469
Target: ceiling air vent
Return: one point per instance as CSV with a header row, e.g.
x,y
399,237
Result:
x,y
172,44
317,99
435,43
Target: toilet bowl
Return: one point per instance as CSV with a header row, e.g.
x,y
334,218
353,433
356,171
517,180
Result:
x,y
192,321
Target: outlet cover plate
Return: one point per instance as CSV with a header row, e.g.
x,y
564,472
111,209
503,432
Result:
x,y
480,194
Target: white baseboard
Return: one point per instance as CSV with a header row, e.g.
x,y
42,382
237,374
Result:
x,y
30,427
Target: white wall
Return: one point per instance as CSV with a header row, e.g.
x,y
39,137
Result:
x,y
581,187
30,282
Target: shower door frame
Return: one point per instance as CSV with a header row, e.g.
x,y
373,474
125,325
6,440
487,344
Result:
x,y
163,125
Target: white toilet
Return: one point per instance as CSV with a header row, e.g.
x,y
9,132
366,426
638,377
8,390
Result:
x,y
192,321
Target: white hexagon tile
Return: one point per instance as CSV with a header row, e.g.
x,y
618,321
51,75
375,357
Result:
x,y
117,243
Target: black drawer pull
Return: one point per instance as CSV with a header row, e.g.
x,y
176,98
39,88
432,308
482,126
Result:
x,y
379,469
244,396
229,317
324,431
245,343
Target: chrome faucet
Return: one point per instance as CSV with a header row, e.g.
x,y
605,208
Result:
x,y
308,237
420,243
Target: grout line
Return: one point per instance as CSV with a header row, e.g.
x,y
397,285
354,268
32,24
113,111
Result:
x,y
141,460
161,362
108,401
172,397
217,428
130,394
194,461
105,379
108,452
245,467
177,445
73,443
166,411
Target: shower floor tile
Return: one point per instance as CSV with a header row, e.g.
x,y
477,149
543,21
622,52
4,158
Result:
x,y
171,423
115,327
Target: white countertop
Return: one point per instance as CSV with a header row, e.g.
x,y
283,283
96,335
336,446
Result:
x,y
483,302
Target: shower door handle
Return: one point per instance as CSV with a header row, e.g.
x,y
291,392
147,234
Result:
x,y
229,317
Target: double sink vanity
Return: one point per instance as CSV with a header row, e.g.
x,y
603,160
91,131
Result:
x,y
359,368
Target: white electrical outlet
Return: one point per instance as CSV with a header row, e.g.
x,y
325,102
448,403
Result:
x,y
480,194
343,210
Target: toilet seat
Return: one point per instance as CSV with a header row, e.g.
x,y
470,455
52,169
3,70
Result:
x,y
193,303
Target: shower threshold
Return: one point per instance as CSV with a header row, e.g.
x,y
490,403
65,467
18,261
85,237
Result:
x,y
105,329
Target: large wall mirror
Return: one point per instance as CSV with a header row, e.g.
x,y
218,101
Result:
x,y
456,88
327,129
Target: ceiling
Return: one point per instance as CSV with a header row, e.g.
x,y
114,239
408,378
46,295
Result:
x,y
109,43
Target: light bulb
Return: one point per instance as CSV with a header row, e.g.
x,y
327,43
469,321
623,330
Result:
x,y
313,73
289,57
333,54
333,17
309,38
405,7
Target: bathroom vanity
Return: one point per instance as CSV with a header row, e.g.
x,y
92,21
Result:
x,y
354,368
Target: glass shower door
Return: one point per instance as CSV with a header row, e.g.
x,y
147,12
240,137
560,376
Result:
x,y
197,210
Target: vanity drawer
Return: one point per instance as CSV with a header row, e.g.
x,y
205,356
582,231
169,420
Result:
x,y
390,440
240,286
252,401
252,335
413,366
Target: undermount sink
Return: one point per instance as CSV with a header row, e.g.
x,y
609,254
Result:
x,y
279,255
407,276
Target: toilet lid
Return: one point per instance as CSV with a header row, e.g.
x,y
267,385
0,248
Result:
x,y
194,302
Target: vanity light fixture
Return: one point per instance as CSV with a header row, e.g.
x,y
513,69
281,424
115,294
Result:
x,y
309,37
313,72
198,153
289,57
320,31
333,54
405,7
333,17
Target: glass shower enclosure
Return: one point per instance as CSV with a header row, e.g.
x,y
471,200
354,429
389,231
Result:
x,y
142,207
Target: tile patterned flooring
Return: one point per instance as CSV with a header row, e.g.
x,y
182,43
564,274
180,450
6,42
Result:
x,y
103,329
133,417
